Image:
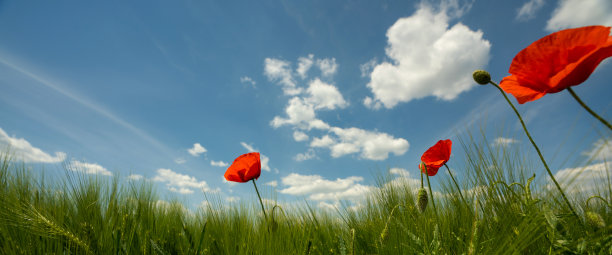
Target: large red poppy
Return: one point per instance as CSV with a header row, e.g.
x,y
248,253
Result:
x,y
557,61
436,156
245,168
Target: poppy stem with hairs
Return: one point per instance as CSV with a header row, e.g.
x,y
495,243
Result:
x,y
433,202
458,188
260,201
421,180
571,91
537,149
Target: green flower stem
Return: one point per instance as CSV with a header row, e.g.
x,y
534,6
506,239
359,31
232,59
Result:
x,y
537,149
571,91
260,201
596,196
458,188
421,179
433,202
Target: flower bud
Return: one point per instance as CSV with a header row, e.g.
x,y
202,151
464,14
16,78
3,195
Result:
x,y
482,77
595,220
422,200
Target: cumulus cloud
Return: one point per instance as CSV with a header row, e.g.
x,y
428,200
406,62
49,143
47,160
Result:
x,y
399,171
272,183
371,145
529,9
280,71
247,79
264,159
583,179
301,115
310,154
218,163
180,183
299,136
318,188
88,168
503,141
427,59
327,66
304,64
324,96
135,177
601,150
23,150
578,13
196,150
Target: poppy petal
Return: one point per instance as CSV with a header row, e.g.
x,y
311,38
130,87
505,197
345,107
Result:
x,y
522,94
436,156
557,61
244,168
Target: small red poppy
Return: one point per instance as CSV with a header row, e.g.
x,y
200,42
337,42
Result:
x,y
436,156
245,168
557,61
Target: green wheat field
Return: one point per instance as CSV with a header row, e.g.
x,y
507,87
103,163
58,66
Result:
x,y
504,212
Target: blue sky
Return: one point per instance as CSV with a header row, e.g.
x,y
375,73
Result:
x,y
330,93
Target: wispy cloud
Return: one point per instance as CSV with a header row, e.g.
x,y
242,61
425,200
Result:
x,y
87,103
529,9
247,79
601,150
135,177
23,150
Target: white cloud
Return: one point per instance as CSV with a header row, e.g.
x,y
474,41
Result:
x,y
367,67
372,145
301,115
180,183
601,150
135,177
232,199
582,179
324,96
196,150
280,71
528,10
328,66
299,136
324,141
299,112
304,64
246,79
272,183
578,13
88,168
265,161
318,188
399,171
310,154
218,163
428,59
23,150
503,141
180,161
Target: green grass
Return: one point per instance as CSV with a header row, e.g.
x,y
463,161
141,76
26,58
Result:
x,y
505,213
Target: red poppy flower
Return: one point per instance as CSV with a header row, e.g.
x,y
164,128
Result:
x,y
436,156
245,168
557,61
